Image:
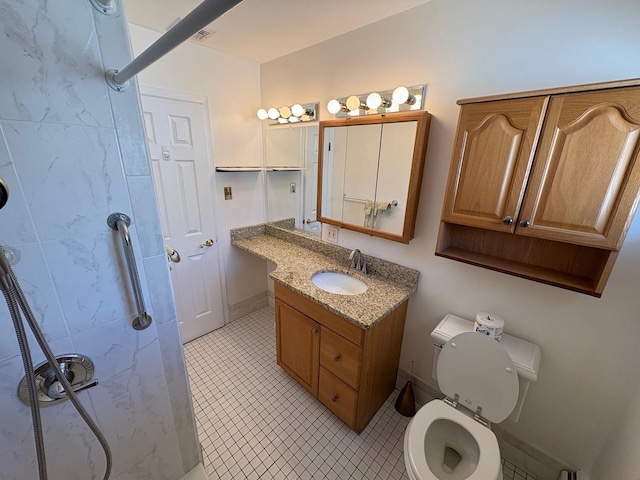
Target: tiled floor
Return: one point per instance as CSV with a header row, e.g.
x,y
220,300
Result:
x,y
256,422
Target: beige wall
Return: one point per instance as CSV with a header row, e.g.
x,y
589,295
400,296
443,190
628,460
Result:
x,y
466,48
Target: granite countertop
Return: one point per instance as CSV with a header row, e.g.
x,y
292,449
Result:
x,y
388,287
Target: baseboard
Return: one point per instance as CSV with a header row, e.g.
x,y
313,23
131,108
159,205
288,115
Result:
x,y
247,306
197,473
512,449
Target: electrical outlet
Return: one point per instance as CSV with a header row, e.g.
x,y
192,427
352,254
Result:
x,y
330,233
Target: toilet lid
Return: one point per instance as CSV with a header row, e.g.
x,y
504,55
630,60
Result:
x,y
481,372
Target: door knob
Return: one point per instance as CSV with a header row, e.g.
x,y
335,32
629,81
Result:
x,y
507,220
172,254
309,221
208,243
525,223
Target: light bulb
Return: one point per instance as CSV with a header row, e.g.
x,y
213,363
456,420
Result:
x,y
334,106
282,120
262,114
273,113
285,112
297,110
354,103
374,100
401,95
294,119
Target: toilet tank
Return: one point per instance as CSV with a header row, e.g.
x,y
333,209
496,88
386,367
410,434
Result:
x,y
525,355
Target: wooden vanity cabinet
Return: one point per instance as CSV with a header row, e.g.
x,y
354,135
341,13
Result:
x,y
352,371
545,185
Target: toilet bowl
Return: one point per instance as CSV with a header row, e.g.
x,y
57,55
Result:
x,y
445,444
451,439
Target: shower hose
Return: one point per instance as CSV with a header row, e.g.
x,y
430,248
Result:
x,y
17,302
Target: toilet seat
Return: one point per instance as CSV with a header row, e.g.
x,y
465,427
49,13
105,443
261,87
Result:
x,y
488,466
481,373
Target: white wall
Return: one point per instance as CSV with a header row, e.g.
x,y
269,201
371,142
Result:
x,y
619,457
232,87
466,48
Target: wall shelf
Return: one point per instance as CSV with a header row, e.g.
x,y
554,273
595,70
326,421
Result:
x,y
259,169
238,169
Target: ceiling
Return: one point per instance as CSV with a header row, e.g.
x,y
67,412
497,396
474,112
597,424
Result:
x,y
262,30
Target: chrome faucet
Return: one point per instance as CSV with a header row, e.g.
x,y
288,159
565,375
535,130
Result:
x,y
357,262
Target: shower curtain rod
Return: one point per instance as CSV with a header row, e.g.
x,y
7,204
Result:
x,y
200,17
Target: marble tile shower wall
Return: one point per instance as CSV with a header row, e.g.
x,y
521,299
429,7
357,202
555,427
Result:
x,y
72,151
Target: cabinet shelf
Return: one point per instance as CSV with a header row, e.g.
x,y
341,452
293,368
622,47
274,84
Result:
x,y
574,267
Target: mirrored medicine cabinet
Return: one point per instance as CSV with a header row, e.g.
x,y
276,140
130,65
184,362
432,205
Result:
x,y
370,173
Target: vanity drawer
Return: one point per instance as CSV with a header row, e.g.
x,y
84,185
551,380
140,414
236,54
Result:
x,y
341,357
338,397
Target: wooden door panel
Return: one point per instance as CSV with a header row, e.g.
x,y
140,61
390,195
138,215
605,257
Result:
x,y
298,346
492,156
584,180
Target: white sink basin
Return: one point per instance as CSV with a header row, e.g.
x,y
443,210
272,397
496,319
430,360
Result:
x,y
340,283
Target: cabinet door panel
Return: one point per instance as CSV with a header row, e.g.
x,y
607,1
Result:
x,y
298,346
586,176
492,157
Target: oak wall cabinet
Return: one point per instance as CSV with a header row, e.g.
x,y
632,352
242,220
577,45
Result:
x,y
544,184
352,371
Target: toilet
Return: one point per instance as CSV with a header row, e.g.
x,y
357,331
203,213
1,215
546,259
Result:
x,y
484,382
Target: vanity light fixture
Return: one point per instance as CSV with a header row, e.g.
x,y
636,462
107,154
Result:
x,y
401,99
289,114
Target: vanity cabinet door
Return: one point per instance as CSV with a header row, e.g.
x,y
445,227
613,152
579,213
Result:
x,y
298,346
586,175
491,160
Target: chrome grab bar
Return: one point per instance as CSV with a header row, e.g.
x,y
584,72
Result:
x,y
120,222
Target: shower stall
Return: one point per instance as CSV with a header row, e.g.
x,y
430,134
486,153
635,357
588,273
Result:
x,y
73,151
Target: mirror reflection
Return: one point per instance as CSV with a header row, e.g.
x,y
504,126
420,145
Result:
x,y
292,174
371,173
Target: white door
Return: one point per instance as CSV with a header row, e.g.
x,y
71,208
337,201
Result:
x,y
310,209
177,138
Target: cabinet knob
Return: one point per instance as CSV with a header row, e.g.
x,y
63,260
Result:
x,y
336,358
525,223
507,220
334,399
314,331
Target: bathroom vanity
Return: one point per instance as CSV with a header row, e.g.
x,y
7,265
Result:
x,y
344,349
350,370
